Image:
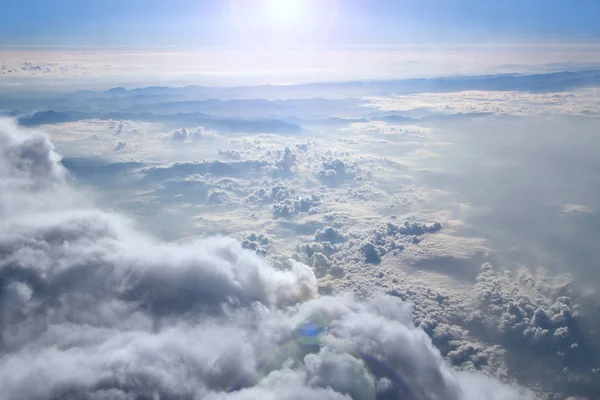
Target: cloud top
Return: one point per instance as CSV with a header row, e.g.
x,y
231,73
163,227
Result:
x,y
92,308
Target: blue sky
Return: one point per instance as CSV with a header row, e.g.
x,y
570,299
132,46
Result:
x,y
96,23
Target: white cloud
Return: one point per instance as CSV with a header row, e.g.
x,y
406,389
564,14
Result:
x,y
579,102
310,185
576,209
179,67
94,308
185,135
382,129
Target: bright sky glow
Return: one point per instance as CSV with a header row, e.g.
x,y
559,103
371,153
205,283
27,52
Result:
x,y
285,11
358,22
284,24
230,42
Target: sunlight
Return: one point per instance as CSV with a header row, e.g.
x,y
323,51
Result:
x,y
285,11
284,24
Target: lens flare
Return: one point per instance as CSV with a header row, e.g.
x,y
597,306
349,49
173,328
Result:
x,y
312,330
346,369
352,378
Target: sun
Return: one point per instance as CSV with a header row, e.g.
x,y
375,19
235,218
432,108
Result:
x,y
285,11
283,24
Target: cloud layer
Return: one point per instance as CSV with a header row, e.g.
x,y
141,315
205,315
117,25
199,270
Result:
x,y
92,308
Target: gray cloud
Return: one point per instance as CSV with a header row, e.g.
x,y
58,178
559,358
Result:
x,y
368,246
258,242
527,316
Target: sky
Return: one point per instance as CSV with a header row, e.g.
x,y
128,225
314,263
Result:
x,y
66,44
207,23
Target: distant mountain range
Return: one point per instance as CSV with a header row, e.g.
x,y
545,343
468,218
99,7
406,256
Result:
x,y
281,109
176,120
557,81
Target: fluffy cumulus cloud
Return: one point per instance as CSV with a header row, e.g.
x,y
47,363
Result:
x,y
187,135
92,308
335,172
332,246
230,154
528,315
285,200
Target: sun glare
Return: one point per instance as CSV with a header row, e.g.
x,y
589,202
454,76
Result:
x,y
284,24
284,11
